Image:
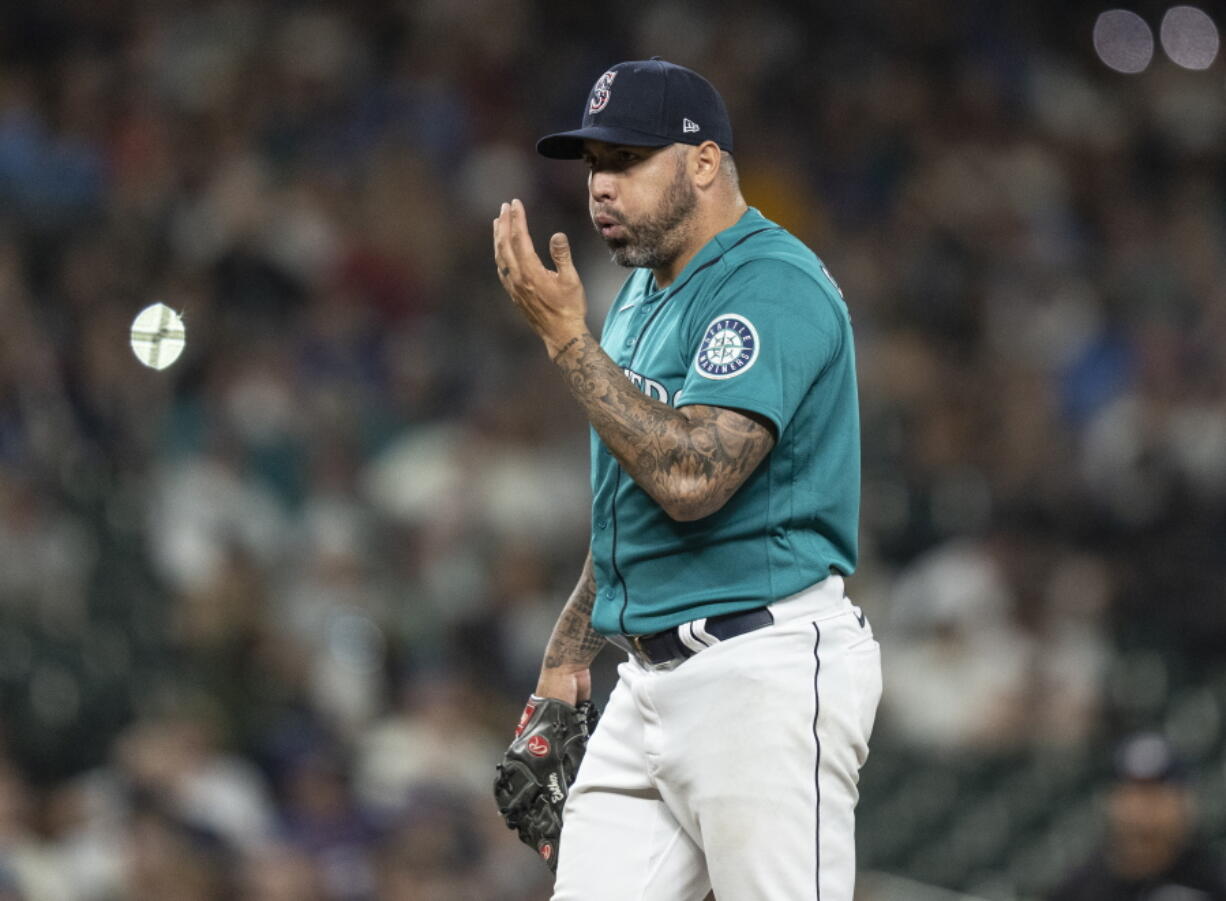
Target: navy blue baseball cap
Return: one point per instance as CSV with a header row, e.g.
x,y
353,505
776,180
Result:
x,y
646,103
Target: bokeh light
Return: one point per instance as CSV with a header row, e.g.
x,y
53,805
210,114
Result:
x,y
1189,37
1123,41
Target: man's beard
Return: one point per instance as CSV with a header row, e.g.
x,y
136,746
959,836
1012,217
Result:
x,y
658,239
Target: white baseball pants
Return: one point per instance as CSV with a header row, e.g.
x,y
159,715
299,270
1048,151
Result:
x,y
736,770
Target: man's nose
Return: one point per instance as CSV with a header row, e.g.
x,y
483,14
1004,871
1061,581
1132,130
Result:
x,y
603,186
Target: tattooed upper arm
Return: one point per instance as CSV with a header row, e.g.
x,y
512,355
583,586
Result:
x,y
724,446
690,460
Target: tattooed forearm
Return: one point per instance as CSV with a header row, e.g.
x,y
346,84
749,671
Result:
x,y
567,346
574,642
689,460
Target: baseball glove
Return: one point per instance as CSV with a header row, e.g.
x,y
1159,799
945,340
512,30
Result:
x,y
538,768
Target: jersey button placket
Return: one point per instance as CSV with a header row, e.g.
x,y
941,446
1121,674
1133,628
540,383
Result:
x,y
636,324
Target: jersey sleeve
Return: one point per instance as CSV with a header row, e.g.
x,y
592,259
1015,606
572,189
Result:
x,y
763,339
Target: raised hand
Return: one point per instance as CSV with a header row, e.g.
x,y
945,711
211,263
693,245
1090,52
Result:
x,y
553,301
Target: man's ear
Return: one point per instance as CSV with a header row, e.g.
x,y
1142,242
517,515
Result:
x,y
706,160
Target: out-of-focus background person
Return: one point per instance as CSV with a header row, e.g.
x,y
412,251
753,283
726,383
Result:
x,y
1151,848
264,615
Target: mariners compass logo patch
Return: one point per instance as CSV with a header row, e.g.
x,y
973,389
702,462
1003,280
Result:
x,y
729,347
601,92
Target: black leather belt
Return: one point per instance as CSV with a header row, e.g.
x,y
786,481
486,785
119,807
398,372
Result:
x,y
668,646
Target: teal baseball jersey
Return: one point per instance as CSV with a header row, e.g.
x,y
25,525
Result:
x,y
754,322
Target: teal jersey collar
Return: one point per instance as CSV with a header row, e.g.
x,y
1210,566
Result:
x,y
751,221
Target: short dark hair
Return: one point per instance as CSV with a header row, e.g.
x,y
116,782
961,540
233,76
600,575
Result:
x,y
728,165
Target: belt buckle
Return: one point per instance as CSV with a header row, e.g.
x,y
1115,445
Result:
x,y
636,642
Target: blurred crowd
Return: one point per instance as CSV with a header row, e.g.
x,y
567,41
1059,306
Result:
x,y
267,617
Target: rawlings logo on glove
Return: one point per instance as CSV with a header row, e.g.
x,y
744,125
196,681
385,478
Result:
x,y
538,768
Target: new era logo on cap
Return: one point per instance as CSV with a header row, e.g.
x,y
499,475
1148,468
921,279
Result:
x,y
651,105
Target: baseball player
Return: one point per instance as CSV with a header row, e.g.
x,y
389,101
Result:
x,y
725,468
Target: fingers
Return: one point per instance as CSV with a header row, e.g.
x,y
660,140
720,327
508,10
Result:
x,y
521,272
520,238
513,250
503,258
559,249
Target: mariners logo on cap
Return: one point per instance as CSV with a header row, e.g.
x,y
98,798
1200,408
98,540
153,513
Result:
x,y
601,92
729,347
